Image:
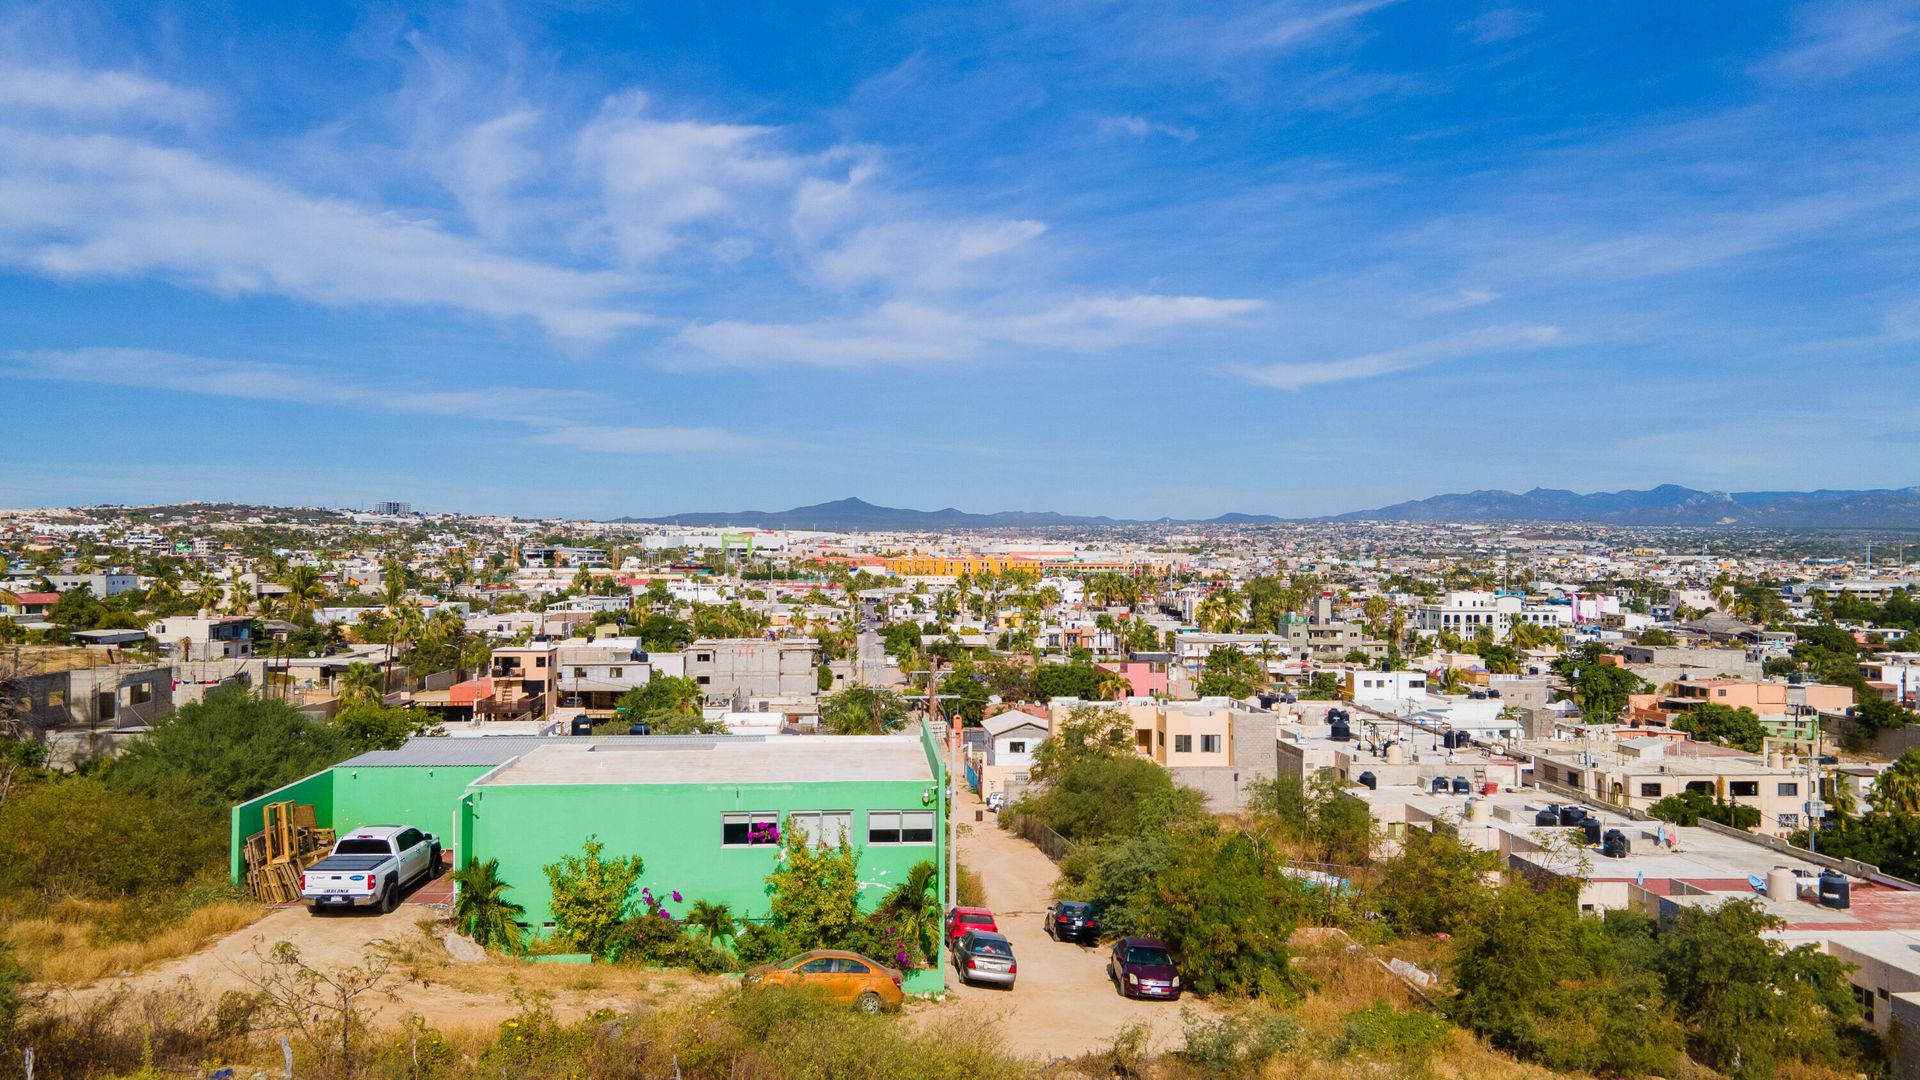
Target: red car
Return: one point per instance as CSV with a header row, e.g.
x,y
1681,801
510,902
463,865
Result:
x,y
962,919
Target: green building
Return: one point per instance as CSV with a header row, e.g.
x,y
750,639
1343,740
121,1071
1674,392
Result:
x,y
704,813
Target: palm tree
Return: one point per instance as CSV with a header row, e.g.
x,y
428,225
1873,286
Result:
x,y
359,683
304,592
915,908
1112,685
715,919
1897,791
480,911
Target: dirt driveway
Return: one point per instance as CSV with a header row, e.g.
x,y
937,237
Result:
x,y
1062,1004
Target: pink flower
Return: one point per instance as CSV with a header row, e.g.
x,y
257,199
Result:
x,y
676,896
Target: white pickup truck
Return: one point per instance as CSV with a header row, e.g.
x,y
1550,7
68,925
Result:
x,y
370,867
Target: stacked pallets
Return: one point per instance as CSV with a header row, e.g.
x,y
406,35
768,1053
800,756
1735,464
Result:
x,y
291,841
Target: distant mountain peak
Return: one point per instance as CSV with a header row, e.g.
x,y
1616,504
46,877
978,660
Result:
x,y
1666,504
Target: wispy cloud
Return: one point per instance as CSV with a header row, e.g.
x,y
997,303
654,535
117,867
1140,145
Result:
x,y
1300,25
1833,40
1486,341
1139,127
551,413
122,94
1457,300
904,333
1500,24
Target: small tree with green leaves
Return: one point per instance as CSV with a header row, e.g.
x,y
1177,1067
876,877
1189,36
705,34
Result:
x,y
590,895
816,892
714,920
481,910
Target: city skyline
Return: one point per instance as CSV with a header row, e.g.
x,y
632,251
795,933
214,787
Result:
x,y
1310,258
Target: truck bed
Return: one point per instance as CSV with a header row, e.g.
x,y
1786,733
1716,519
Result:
x,y
348,864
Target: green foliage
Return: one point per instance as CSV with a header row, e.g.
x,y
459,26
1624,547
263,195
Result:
x,y
823,678
727,621
1874,714
1657,636
968,696
863,710
367,726
815,901
660,632
1114,876
1739,728
1099,796
1323,686
1331,826
1086,732
1229,673
1226,911
1749,1003
1237,1044
12,979
226,749
901,639
1436,885
78,836
1692,807
670,705
1076,680
714,920
1537,980
1601,688
1382,1031
1897,789
913,906
481,910
1889,841
590,895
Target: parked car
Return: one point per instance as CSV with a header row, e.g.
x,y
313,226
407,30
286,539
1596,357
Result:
x,y
846,977
1070,920
370,867
997,801
962,919
1142,967
984,956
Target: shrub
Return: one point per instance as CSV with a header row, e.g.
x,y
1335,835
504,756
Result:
x,y
77,836
590,895
1237,1045
226,749
1226,911
1380,1030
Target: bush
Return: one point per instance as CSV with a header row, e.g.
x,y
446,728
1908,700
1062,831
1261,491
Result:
x,y
1435,885
1227,912
590,895
1380,1030
77,836
226,749
1111,796
1237,1045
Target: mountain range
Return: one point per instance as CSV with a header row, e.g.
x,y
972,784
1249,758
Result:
x,y
1668,504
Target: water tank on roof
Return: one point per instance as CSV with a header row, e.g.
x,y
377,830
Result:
x,y
1479,811
1396,753
1439,785
1782,884
1835,890
1548,818
1462,786
1339,731
1590,830
1368,781
1615,845
1337,714
1571,815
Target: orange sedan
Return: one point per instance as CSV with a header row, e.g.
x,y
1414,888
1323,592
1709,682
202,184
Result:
x,y
846,977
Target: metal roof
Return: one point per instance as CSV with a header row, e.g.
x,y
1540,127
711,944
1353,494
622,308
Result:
x,y
494,750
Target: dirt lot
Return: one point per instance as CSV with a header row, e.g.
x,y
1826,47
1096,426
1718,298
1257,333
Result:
x,y
1062,1004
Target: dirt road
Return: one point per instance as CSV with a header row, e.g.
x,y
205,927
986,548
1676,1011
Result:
x,y
1062,1003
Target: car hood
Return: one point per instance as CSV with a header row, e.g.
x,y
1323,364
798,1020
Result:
x,y
1152,971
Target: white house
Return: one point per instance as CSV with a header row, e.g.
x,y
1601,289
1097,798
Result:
x,y
1012,737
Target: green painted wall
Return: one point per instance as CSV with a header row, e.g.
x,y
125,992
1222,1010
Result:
x,y
426,797
675,828
249,817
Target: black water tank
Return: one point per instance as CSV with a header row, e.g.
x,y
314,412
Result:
x,y
1615,844
1835,890
1571,815
1439,785
1367,781
1340,731
1461,786
1590,828
1337,715
1548,818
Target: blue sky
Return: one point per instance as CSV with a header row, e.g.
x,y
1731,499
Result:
x,y
1135,259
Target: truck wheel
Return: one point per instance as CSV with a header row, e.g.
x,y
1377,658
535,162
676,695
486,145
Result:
x,y
435,868
390,899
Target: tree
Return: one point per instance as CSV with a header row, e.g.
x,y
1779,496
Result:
x,y
1075,680
1873,714
226,749
1229,672
359,684
305,591
1086,732
367,726
1897,790
1220,612
1096,797
590,895
660,632
1712,723
1889,841
1750,1002
1601,688
1657,636
863,710
668,704
901,638
481,910
815,901
1226,910
715,920
1435,885
969,694
1692,806
914,906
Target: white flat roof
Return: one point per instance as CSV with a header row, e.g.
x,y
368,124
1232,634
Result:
x,y
782,760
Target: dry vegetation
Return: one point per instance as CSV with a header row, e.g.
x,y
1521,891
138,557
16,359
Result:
x,y
78,941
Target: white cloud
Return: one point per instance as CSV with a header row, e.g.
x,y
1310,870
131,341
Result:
x,y
485,168
1835,40
95,94
1493,339
1500,24
900,332
1457,300
1139,127
551,413
931,255
1298,29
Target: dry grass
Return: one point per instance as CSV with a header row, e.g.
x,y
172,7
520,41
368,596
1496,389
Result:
x,y
79,941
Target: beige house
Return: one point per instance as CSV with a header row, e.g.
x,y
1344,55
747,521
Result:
x,y
1638,772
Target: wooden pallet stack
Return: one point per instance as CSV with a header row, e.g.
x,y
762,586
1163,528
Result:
x,y
290,842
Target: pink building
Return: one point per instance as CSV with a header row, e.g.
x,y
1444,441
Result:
x,y
1146,679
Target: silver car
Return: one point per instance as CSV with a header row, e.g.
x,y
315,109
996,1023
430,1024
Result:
x,y
982,956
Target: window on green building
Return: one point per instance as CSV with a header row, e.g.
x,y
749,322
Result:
x,y
749,830
824,827
900,827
